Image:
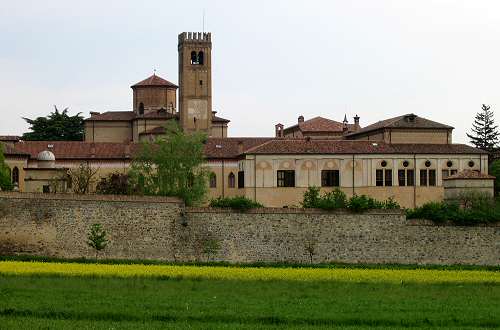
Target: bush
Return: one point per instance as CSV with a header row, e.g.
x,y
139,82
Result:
x,y
464,212
336,199
114,184
311,198
236,203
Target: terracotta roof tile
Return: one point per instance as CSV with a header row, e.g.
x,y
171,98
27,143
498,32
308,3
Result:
x,y
469,174
9,150
216,119
320,124
402,122
78,150
312,146
130,115
155,81
10,138
231,147
112,116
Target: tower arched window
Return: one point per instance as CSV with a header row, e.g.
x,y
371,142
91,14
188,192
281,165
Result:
x,y
200,58
15,176
194,57
141,108
231,180
213,180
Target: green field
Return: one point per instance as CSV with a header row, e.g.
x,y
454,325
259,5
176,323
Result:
x,y
55,301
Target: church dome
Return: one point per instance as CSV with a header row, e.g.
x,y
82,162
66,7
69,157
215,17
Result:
x,y
46,156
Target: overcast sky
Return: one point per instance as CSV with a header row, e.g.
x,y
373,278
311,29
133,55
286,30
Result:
x,y
272,60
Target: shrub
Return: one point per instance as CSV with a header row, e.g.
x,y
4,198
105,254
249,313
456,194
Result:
x,y
237,203
463,212
336,199
363,203
311,198
97,238
114,184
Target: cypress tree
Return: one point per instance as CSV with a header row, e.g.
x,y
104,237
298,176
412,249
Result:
x,y
484,131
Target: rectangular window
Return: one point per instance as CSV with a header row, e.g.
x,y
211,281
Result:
x,y
453,172
241,179
445,173
286,178
410,177
330,178
379,177
423,177
432,177
388,178
402,178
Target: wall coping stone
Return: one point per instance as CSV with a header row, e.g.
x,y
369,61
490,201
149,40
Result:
x,y
91,197
430,223
277,210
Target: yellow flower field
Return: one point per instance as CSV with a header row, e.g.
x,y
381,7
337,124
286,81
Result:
x,y
251,274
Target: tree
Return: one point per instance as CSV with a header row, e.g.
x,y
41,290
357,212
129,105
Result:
x,y
495,171
97,238
484,131
5,180
57,126
82,178
171,166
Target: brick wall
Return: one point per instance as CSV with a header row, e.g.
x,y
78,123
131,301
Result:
x,y
160,228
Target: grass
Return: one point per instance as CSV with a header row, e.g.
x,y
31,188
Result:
x,y
398,300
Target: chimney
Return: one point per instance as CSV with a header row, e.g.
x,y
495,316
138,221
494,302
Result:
x,y
279,130
301,119
240,147
356,123
94,113
344,124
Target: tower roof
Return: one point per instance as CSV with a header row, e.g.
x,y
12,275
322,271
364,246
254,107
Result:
x,y
155,81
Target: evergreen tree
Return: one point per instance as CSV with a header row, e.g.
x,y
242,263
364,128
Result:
x,y
57,126
484,131
5,180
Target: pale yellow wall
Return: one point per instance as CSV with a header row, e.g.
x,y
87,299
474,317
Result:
x,y
35,179
222,169
419,136
308,173
20,163
108,131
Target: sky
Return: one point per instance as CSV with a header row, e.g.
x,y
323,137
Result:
x,y
272,60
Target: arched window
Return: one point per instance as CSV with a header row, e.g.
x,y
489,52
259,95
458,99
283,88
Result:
x,y
141,108
213,180
15,176
231,180
200,58
194,58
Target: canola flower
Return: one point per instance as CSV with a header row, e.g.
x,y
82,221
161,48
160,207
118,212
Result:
x,y
251,273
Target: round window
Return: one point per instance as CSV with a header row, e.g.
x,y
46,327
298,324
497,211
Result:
x,y
427,163
449,163
471,163
384,163
406,163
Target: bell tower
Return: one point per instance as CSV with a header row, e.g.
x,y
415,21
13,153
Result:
x,y
195,81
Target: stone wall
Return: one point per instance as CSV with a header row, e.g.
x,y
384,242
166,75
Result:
x,y
155,228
